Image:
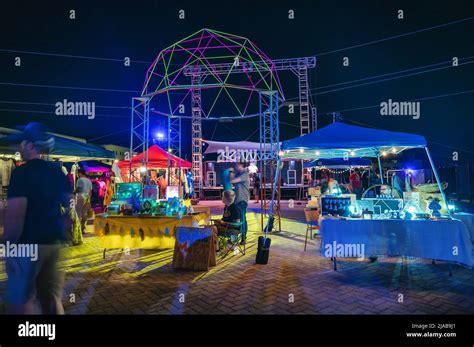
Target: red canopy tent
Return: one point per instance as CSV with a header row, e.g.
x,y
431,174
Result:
x,y
157,159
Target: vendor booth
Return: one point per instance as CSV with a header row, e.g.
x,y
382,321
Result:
x,y
100,175
387,223
145,231
340,169
159,171
139,217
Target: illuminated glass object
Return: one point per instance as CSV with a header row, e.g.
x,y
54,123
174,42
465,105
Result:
x,y
131,193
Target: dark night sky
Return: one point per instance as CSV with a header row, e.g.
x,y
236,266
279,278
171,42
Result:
x,y
140,29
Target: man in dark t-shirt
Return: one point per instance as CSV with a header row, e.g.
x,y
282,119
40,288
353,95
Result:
x,y
39,195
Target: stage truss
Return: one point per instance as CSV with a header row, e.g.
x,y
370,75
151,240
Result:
x,y
209,69
269,167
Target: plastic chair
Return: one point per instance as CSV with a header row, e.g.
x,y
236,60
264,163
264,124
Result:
x,y
312,217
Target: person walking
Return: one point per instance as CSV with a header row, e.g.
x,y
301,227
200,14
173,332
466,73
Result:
x,y
241,182
39,196
83,198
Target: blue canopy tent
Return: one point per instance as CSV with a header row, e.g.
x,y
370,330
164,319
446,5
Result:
x,y
71,148
340,140
66,149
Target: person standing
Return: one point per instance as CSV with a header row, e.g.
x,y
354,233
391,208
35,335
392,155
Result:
x,y
356,183
364,179
241,182
83,197
39,197
397,185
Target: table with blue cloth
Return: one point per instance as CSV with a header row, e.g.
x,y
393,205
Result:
x,y
443,239
468,219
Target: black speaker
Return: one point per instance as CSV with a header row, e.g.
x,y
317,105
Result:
x,y
263,250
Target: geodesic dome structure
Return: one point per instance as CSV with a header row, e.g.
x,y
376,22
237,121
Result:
x,y
228,70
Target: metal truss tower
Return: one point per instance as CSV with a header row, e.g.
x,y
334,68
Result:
x,y
139,129
268,156
174,141
196,125
302,74
299,66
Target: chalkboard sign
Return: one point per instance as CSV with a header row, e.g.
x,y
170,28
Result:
x,y
194,248
336,205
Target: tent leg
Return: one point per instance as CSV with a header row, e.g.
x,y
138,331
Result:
x,y
437,180
380,168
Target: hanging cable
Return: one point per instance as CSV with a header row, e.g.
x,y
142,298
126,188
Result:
x,y
397,36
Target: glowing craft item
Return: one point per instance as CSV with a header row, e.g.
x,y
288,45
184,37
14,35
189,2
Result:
x,y
172,192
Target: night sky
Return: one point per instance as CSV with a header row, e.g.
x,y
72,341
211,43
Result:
x,y
140,29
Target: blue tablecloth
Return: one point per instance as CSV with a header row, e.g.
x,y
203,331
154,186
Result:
x,y
446,240
468,219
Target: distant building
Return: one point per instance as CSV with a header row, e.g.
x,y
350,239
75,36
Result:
x,y
119,151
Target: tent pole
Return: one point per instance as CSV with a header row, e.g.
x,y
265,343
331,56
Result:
x,y
437,179
380,168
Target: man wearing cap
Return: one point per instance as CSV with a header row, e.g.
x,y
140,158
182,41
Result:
x,y
39,195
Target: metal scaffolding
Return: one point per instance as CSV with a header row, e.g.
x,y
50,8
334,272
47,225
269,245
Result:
x,y
299,66
139,129
305,125
196,126
269,163
174,142
208,59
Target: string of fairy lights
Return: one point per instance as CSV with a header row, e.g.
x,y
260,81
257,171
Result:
x,y
346,152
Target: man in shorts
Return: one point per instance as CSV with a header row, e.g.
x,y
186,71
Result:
x,y
39,196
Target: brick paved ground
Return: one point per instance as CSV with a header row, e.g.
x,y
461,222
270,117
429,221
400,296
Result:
x,y
144,282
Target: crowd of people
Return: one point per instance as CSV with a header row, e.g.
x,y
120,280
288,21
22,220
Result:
x,y
359,181
356,182
45,209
